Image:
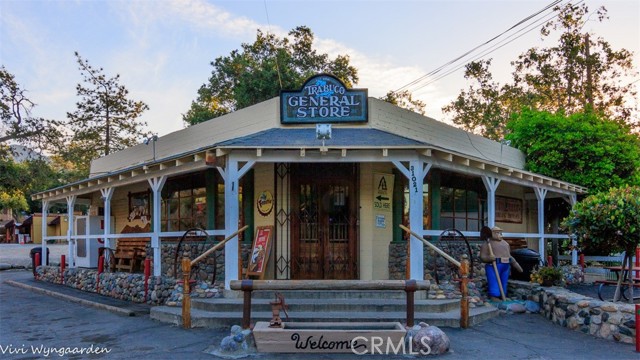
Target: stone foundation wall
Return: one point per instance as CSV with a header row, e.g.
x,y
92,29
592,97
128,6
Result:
x,y
435,264
603,319
124,286
161,290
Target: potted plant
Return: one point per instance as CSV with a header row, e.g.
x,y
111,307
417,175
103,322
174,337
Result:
x,y
546,276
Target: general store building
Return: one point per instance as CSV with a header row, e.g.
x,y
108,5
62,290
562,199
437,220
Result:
x,y
335,202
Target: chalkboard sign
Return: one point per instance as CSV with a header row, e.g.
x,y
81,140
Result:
x,y
260,250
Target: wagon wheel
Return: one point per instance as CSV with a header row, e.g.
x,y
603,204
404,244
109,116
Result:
x,y
606,292
110,264
453,235
194,268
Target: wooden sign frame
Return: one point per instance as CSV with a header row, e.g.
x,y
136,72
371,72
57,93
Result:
x,y
260,251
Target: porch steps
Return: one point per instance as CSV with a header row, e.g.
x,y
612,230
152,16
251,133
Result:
x,y
307,306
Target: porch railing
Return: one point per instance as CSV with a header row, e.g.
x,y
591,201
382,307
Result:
x,y
187,263
463,267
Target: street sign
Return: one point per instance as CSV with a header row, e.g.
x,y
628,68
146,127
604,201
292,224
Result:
x,y
382,191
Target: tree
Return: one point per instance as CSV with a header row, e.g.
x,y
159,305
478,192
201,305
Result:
x,y
580,72
11,195
609,221
486,107
105,120
583,148
260,70
405,100
20,180
17,123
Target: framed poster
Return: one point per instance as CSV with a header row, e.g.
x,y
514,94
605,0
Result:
x,y
139,206
508,210
260,250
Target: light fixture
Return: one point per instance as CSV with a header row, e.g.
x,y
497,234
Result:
x,y
323,132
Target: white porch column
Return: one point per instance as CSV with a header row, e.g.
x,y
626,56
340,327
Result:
x,y
416,173
232,175
71,202
45,215
491,184
540,195
572,200
107,194
156,185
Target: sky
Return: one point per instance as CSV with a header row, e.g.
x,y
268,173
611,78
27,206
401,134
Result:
x,y
163,49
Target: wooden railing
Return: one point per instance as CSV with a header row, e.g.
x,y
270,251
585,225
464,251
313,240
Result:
x,y
247,286
463,267
187,263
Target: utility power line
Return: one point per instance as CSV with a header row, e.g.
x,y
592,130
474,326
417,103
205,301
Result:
x,y
494,48
458,58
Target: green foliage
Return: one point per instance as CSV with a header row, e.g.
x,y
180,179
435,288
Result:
x,y
582,148
608,222
581,72
405,100
105,120
250,75
17,123
486,107
546,274
18,181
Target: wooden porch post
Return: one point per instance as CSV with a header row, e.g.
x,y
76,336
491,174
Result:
x,y
71,201
45,215
540,195
156,185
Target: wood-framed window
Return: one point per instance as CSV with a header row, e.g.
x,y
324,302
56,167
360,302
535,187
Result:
x,y
462,203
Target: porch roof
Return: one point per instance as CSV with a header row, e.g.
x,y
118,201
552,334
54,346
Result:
x,y
306,137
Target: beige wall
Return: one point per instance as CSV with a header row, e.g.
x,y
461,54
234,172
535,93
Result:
x,y
262,116
264,181
374,241
396,120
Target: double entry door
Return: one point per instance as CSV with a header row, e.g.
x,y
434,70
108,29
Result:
x,y
324,222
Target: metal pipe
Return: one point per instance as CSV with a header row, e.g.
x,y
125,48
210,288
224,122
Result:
x,y
433,247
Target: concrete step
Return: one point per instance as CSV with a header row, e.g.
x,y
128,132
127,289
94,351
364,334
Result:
x,y
336,294
327,305
211,319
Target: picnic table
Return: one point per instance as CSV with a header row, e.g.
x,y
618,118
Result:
x,y
624,286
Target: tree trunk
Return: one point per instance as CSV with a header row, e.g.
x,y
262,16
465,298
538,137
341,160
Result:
x,y
617,294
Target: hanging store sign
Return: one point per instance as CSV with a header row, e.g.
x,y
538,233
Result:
x,y
323,99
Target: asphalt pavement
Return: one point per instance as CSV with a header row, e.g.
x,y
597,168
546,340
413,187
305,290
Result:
x,y
36,316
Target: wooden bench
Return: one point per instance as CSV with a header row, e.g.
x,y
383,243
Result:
x,y
130,254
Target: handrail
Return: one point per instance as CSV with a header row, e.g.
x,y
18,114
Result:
x,y
217,246
464,276
433,247
186,273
